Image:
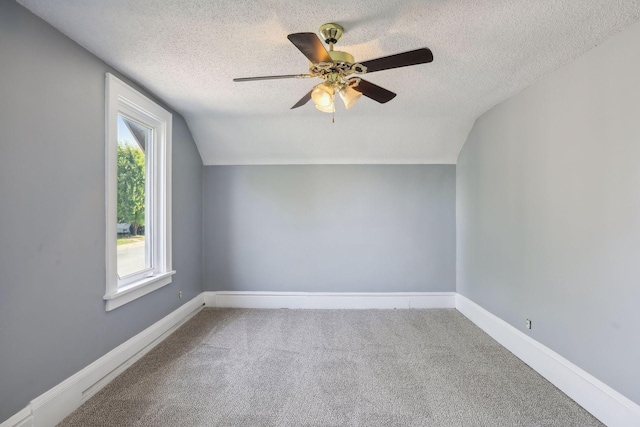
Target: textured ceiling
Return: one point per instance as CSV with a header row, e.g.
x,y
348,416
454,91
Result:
x,y
187,53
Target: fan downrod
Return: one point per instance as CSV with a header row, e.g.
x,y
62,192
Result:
x,y
331,33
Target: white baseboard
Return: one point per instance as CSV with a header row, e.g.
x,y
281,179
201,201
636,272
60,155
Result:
x,y
599,399
602,401
334,300
54,405
21,419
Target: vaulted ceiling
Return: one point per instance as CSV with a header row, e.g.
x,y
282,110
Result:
x,y
188,52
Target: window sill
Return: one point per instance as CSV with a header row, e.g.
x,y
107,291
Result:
x,y
136,290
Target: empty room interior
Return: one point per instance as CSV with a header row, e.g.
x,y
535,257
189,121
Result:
x,y
405,213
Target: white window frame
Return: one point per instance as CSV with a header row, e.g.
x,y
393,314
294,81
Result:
x,y
124,100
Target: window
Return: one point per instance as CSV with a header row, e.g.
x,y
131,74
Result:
x,y
138,185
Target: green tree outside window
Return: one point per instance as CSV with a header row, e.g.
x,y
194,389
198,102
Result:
x,y
131,186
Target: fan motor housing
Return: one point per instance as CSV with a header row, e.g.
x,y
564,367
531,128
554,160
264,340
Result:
x,y
339,56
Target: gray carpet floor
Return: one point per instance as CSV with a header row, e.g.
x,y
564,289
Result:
x,y
236,367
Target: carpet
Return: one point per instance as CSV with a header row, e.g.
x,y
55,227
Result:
x,y
241,367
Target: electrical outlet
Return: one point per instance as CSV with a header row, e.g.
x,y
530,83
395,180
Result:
x,y
528,324
180,294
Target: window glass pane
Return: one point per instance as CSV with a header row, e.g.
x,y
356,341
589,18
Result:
x,y
133,249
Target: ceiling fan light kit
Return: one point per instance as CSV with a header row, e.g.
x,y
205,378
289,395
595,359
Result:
x,y
339,70
322,95
349,96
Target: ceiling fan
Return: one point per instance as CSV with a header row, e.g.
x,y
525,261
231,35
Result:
x,y
340,72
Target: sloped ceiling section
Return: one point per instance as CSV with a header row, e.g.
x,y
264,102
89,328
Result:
x,y
188,52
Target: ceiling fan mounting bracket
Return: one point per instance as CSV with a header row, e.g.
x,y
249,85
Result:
x,y
331,33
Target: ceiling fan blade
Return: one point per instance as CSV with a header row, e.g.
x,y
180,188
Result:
x,y
286,76
374,92
413,57
303,100
311,46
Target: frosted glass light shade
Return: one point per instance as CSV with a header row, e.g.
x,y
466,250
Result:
x,y
322,95
330,109
349,96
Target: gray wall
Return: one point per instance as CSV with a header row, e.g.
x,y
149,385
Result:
x,y
52,245
340,228
548,212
